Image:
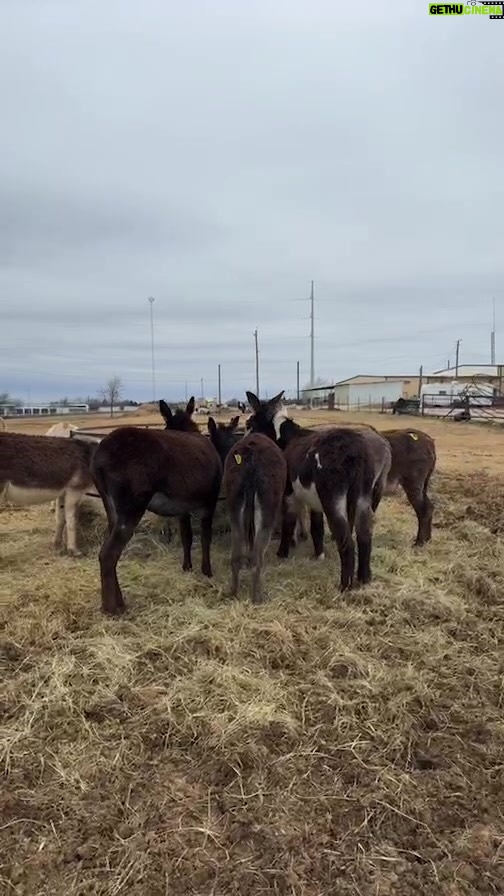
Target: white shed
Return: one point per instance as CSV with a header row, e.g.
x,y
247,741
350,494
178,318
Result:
x,y
373,395
366,391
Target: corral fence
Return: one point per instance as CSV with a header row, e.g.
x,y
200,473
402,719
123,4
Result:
x,y
479,408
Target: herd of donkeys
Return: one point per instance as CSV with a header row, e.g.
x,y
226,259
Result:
x,y
275,474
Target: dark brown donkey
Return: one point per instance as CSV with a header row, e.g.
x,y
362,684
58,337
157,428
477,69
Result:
x,y
255,477
170,473
413,463
340,473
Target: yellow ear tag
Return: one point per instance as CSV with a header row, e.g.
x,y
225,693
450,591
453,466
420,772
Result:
x,y
414,436
238,458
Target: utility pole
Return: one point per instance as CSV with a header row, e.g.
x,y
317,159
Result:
x,y
151,303
312,337
219,382
186,391
457,358
492,337
420,380
256,361
297,380
202,393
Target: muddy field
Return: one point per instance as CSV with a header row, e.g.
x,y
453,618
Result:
x,y
317,745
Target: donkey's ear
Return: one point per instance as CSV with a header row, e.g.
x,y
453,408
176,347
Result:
x,y
273,402
248,423
212,426
253,401
190,406
233,423
165,412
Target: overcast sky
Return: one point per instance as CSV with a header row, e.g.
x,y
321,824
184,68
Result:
x,y
220,155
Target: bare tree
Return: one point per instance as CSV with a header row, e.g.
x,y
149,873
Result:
x,y
111,393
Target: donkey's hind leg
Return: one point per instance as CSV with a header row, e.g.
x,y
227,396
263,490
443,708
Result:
x,y
60,522
423,507
261,542
335,509
289,519
112,548
186,537
72,499
364,533
206,539
236,556
317,533
428,513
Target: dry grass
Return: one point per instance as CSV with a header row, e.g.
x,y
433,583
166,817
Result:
x,y
317,745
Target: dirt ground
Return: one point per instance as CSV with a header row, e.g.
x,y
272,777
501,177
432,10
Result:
x,y
460,446
319,745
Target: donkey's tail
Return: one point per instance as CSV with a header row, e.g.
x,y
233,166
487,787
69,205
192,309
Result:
x,y
251,512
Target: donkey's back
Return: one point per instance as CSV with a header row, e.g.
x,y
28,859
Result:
x,y
39,469
148,463
36,469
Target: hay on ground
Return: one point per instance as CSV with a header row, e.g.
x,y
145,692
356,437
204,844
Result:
x,y
319,744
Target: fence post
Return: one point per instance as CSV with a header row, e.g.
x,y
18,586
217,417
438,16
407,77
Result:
x,y
383,404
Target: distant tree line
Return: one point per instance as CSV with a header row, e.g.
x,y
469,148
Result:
x,y
109,396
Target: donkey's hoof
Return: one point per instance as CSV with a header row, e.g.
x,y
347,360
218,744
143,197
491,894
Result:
x,y
75,553
347,586
361,583
114,609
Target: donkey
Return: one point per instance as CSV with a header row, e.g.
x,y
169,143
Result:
x,y
255,478
61,430
413,463
39,469
171,472
340,473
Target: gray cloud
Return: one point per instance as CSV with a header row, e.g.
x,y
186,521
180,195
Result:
x,y
221,158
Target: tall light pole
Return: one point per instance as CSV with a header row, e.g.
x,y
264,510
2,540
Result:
x,y
256,361
151,303
492,337
312,337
